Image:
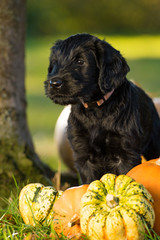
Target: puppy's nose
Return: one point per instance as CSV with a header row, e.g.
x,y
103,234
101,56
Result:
x,y
57,83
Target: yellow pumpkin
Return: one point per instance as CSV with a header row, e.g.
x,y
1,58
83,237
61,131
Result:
x,y
114,208
36,202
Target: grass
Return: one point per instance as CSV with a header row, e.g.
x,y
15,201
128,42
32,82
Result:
x,y
143,56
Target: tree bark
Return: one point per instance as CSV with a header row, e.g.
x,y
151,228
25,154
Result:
x,y
17,155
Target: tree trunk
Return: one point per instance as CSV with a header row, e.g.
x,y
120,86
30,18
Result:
x,y
17,155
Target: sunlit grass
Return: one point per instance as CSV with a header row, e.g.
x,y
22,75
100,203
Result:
x,y
146,73
136,47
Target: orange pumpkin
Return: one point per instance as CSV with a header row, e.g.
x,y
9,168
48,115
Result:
x,y
67,212
148,174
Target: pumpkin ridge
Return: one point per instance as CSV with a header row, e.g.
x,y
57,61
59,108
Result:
x,y
137,219
147,209
93,188
108,181
94,233
87,229
88,214
138,189
121,183
151,203
124,224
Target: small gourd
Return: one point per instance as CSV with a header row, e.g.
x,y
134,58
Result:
x,y
36,202
115,207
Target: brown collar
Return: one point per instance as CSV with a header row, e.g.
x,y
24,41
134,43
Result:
x,y
99,102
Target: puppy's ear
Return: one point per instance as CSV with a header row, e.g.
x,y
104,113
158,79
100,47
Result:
x,y
112,67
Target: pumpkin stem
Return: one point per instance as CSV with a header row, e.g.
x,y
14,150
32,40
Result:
x,y
74,220
112,201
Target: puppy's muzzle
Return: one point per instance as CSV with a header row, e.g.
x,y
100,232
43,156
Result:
x,y
55,83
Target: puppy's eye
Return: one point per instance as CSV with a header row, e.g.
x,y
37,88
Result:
x,y
80,61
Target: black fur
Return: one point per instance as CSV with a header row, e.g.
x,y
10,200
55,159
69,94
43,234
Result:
x,y
112,137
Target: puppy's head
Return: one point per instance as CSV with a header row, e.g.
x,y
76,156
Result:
x,y
83,67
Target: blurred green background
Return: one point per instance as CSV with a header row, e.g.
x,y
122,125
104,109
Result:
x,y
133,27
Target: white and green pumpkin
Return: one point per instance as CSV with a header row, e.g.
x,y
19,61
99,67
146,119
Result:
x,y
116,207
36,203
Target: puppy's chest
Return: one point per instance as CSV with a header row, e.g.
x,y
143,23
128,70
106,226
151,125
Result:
x,y
95,135
102,141
94,132
97,139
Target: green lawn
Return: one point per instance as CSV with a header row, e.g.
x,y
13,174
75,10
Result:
x,y
141,52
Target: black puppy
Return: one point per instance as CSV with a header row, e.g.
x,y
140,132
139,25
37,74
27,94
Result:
x,y
112,121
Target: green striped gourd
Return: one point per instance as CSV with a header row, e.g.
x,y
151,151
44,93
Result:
x,y
116,207
36,202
